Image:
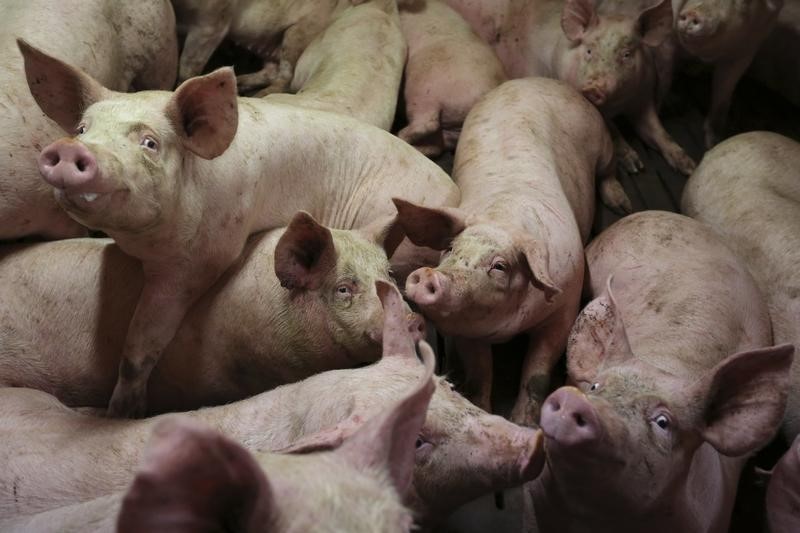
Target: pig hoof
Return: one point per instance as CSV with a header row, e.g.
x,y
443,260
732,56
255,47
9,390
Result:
x,y
631,161
681,162
126,403
614,197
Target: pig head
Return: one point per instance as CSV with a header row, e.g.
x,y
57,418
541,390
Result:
x,y
637,447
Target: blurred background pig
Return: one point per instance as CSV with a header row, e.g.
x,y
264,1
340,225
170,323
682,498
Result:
x,y
747,190
449,69
677,386
247,334
355,66
513,260
726,33
139,54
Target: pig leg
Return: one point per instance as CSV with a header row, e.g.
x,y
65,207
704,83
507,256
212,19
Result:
x,y
476,357
423,133
201,41
625,154
545,346
650,129
611,192
726,76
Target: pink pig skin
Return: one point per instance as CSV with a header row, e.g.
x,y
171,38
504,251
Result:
x,y
142,53
526,165
678,385
449,69
180,179
783,493
618,55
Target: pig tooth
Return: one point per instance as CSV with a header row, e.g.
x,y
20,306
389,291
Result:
x,y
89,196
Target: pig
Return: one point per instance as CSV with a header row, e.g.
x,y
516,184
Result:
x,y
676,384
353,67
194,479
444,53
513,249
746,190
726,33
200,163
142,53
276,31
775,64
619,58
461,452
783,493
247,334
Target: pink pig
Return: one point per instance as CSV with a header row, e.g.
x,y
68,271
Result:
x,y
513,260
677,386
180,180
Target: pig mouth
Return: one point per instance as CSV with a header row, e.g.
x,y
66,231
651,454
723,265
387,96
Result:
x,y
85,201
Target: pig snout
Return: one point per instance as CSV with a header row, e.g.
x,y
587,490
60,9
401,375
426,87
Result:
x,y
595,93
569,419
416,326
692,23
425,286
67,164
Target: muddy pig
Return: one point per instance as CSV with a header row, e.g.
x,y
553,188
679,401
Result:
x,y
783,493
142,53
195,479
620,57
276,31
166,174
677,386
66,305
354,67
726,33
746,189
449,68
513,260
461,453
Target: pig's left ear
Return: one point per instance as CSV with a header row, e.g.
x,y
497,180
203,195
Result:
x,y
427,226
387,441
304,254
598,338
577,17
194,479
205,113
536,257
386,232
655,23
745,398
62,91
397,341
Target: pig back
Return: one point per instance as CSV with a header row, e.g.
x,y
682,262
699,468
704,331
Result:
x,y
533,140
686,301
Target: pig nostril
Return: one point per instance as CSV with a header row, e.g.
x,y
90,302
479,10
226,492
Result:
x,y
414,278
51,158
80,164
579,420
555,406
430,287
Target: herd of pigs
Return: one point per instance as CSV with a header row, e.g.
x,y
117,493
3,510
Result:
x,y
236,355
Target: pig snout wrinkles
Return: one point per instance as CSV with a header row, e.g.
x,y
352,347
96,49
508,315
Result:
x,y
67,164
693,24
425,286
569,419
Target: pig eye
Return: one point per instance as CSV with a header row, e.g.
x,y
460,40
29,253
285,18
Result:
x,y
662,421
588,52
422,448
343,290
594,387
626,55
500,266
149,143
81,129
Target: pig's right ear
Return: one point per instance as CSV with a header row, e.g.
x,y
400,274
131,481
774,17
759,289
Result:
x,y
63,92
597,339
387,441
304,254
577,17
655,23
204,111
397,340
432,227
194,479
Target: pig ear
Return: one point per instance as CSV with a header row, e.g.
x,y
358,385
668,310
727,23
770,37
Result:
x,y
385,232
745,398
398,341
426,226
598,338
536,258
304,254
63,92
193,479
577,17
205,113
655,23
387,441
